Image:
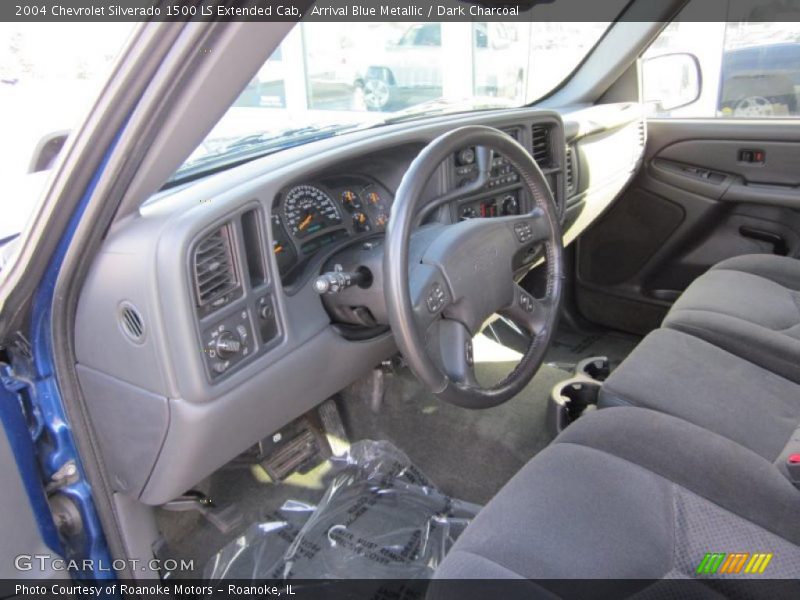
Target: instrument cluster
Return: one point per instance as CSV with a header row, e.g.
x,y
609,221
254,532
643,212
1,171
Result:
x,y
308,217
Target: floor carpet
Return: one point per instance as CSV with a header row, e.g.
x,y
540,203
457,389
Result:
x,y
469,454
570,347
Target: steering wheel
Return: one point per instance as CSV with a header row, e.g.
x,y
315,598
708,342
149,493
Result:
x,y
442,282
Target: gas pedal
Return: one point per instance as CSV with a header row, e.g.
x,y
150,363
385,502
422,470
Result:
x,y
333,427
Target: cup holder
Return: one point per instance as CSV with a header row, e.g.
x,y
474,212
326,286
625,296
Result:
x,y
595,368
570,400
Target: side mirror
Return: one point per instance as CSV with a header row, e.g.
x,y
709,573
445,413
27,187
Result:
x,y
671,81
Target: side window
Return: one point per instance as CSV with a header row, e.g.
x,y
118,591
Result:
x,y
748,70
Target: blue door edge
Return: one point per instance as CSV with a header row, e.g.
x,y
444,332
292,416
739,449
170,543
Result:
x,y
35,421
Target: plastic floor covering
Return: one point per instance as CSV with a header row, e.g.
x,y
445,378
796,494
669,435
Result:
x,y
380,518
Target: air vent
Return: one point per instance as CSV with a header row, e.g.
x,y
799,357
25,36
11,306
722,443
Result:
x,y
541,150
214,271
570,171
642,133
131,322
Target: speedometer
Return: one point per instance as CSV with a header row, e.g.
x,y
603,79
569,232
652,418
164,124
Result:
x,y
309,210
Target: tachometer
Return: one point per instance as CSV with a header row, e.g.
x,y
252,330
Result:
x,y
308,210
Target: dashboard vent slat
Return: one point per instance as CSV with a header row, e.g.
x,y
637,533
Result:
x,y
214,270
642,134
570,171
541,150
131,322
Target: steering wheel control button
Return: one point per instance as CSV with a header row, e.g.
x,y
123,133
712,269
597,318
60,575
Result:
x,y
526,302
469,354
524,232
436,298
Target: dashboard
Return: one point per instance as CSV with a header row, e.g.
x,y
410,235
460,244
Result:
x,y
213,335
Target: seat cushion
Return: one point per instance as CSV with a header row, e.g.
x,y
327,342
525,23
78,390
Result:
x,y
629,493
750,306
687,377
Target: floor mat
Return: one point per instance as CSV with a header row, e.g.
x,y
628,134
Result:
x,y
470,454
570,347
381,518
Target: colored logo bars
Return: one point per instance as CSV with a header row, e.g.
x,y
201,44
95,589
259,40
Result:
x,y
720,563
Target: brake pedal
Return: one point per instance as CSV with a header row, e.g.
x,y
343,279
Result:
x,y
291,456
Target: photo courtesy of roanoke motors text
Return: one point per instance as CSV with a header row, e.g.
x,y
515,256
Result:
x,y
399,299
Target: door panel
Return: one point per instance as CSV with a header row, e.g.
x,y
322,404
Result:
x,y
709,190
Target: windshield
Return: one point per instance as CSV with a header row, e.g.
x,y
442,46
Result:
x,y
326,78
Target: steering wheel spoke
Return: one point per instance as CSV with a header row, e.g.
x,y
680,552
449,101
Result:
x,y
450,343
528,312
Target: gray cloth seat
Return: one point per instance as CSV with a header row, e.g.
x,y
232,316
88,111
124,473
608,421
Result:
x,y
629,493
687,377
750,306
